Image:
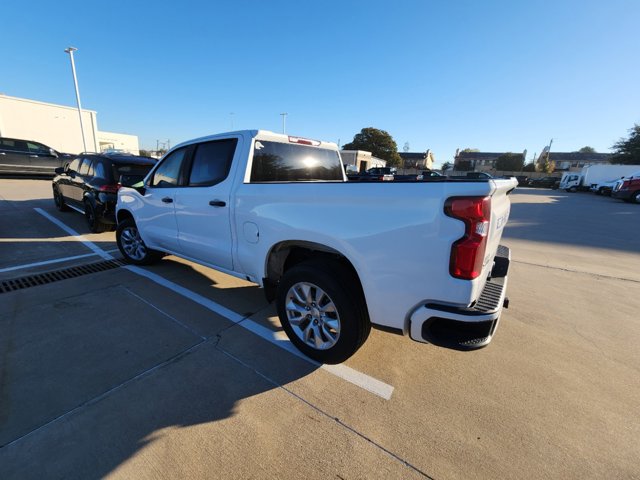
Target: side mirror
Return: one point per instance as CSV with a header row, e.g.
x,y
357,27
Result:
x,y
53,152
60,171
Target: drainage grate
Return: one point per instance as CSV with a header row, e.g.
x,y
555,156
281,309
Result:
x,y
57,275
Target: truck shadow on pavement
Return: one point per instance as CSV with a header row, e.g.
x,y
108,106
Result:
x,y
158,413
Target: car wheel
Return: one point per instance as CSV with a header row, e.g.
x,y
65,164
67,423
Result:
x,y
58,199
94,222
322,310
636,197
600,191
132,246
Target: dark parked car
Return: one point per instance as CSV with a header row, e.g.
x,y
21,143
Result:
x,y
26,157
545,182
89,184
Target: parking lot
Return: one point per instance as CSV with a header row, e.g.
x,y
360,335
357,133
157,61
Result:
x,y
176,370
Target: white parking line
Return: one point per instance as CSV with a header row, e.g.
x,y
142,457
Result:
x,y
279,339
92,246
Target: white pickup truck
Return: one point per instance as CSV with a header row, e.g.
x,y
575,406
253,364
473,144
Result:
x,y
420,258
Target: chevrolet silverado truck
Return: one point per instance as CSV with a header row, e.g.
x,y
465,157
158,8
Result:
x,y
419,258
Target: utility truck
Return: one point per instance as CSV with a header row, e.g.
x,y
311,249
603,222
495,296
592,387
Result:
x,y
592,175
420,258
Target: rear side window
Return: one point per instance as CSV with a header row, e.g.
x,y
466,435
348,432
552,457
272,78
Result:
x,y
85,166
285,162
211,162
168,172
21,146
99,170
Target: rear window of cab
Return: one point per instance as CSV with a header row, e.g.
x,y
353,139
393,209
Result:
x,y
290,162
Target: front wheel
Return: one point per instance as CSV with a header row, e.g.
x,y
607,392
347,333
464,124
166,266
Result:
x,y
322,310
636,197
132,246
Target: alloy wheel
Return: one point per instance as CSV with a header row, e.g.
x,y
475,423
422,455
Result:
x,y
132,243
312,315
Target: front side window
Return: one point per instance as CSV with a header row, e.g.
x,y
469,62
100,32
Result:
x,y
168,172
289,162
73,166
37,148
211,162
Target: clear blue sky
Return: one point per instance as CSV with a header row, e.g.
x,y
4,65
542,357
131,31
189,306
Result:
x,y
493,75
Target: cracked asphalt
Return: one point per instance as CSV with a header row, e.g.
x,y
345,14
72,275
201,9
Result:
x,y
114,375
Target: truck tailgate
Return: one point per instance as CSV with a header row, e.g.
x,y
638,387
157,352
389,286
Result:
x,y
500,208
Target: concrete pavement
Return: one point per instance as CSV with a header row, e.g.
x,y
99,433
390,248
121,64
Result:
x,y
111,375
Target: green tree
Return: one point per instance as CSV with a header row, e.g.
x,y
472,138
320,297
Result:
x,y
510,162
446,166
379,143
587,149
529,167
470,150
548,166
627,151
145,153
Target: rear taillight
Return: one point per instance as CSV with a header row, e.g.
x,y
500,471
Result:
x,y
467,253
109,188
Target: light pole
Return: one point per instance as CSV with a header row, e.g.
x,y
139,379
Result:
x,y
70,51
284,122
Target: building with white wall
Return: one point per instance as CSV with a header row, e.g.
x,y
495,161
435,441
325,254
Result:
x,y
361,159
58,126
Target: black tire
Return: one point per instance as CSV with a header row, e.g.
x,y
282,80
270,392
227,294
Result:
x,y
600,191
132,246
342,294
58,199
636,196
93,220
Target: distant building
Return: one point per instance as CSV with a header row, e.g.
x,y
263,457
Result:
x,y
479,161
361,159
58,126
417,160
573,161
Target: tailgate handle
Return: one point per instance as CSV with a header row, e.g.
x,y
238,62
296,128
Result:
x,y
217,203
167,200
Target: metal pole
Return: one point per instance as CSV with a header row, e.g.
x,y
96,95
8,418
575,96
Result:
x,y
284,122
70,51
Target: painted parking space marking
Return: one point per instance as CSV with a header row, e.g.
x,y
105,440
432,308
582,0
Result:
x,y
279,339
90,245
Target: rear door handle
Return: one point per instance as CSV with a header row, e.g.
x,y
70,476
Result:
x,y
217,203
167,200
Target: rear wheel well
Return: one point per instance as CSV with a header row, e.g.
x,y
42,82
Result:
x,y
286,255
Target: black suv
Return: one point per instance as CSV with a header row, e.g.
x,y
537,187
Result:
x,y
90,183
26,157
545,182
